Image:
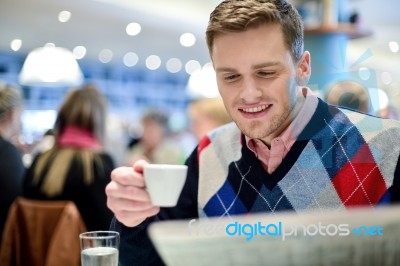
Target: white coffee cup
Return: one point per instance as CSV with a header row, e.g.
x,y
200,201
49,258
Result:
x,y
164,183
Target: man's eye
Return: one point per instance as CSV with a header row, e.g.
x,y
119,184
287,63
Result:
x,y
266,74
231,77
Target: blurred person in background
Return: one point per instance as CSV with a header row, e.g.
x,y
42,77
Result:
x,y
11,165
154,145
206,114
76,168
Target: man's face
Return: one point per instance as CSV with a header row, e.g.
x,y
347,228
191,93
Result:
x,y
256,78
153,134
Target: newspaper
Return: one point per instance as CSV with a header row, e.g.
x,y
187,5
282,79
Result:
x,y
357,236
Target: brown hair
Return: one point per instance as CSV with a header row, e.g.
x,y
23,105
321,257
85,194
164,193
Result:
x,y
240,15
85,108
10,99
211,107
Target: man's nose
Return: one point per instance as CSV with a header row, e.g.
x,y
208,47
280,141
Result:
x,y
250,92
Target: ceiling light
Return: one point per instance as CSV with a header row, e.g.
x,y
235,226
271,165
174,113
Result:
x,y
364,73
153,62
105,56
187,39
16,44
133,29
191,66
394,47
64,16
50,66
130,59
174,65
79,52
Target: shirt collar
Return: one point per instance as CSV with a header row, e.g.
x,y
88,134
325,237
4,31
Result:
x,y
290,134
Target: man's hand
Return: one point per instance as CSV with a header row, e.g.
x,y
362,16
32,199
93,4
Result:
x,y
127,196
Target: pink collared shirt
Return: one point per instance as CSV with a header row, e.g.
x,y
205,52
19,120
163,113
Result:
x,y
272,157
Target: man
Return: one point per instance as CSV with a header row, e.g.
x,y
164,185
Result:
x,y
286,150
154,146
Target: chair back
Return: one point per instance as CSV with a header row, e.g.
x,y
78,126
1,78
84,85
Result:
x,y
41,233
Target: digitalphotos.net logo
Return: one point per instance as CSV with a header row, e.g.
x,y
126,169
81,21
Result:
x,y
282,230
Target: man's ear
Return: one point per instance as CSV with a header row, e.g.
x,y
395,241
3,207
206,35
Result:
x,y
303,69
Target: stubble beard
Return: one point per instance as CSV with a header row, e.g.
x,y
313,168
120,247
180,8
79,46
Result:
x,y
261,129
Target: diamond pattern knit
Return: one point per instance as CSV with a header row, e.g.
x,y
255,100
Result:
x,y
341,159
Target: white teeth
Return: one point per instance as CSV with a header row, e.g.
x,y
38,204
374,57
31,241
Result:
x,y
256,109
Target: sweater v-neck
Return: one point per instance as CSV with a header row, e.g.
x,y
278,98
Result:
x,y
318,121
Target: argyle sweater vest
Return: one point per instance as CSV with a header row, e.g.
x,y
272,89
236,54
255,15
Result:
x,y
341,159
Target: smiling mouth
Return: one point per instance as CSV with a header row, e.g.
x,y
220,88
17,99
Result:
x,y
256,109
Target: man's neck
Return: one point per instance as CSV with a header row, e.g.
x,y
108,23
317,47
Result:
x,y
293,114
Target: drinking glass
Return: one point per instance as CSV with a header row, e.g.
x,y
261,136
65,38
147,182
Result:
x,y
99,248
